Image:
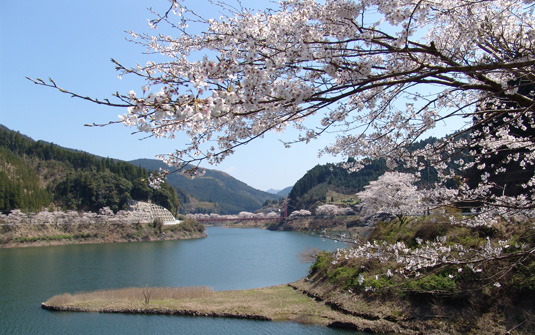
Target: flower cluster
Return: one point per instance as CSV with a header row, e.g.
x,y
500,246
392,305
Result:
x,y
413,261
333,210
104,215
265,71
393,193
241,215
301,212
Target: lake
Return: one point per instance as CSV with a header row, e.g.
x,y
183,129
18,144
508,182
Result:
x,y
228,259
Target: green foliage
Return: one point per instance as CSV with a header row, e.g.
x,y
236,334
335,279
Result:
x,y
523,278
90,191
187,225
427,228
344,275
157,224
20,186
377,283
35,175
435,283
166,196
323,259
140,190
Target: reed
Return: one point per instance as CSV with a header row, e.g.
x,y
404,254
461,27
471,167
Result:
x,y
132,294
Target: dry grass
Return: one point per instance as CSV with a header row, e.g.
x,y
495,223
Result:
x,y
279,303
129,296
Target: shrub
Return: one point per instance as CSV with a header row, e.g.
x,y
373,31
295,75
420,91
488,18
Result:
x,y
43,238
432,283
344,275
323,260
523,278
158,224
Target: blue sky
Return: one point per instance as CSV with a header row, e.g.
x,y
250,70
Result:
x,y
73,42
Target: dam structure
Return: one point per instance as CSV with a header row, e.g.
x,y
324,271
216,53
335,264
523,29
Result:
x,y
147,211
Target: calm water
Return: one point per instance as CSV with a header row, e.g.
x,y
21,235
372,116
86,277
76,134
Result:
x,y
227,259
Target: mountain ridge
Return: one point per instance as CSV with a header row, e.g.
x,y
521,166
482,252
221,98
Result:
x,y
213,192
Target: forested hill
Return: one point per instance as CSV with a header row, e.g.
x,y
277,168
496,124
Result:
x,y
214,192
331,183
37,174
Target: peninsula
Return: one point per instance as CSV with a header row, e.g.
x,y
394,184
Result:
x,y
289,302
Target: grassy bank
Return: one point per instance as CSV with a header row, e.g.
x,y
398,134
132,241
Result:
x,y
460,293
277,303
23,235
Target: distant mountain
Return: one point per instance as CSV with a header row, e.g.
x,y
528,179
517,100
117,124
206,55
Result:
x,y
285,192
214,192
281,193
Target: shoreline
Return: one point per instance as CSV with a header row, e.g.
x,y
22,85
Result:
x,y
50,243
157,311
43,235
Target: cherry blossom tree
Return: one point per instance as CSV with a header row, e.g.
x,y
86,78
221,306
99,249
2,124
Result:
x,y
88,217
71,217
105,214
301,212
328,209
393,193
246,215
273,215
16,216
381,74
44,217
